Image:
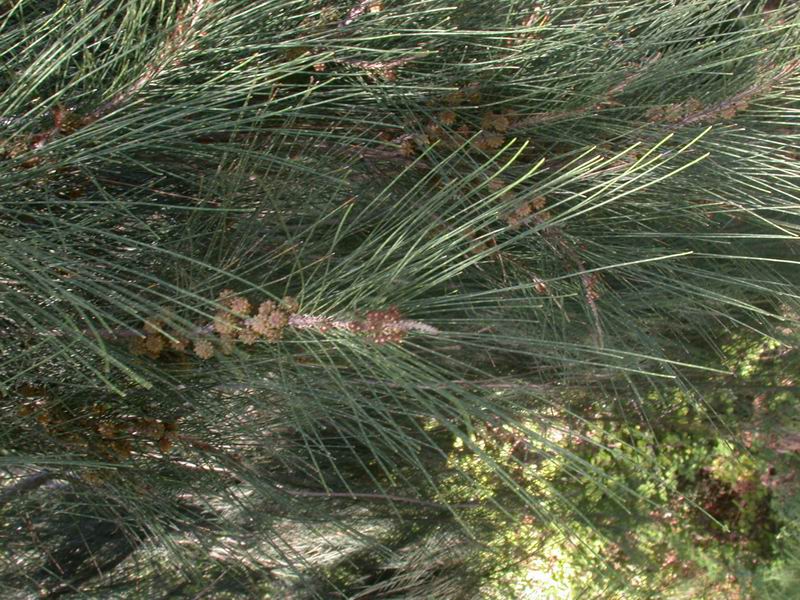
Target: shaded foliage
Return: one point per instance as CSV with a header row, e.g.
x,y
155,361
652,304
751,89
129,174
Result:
x,y
314,298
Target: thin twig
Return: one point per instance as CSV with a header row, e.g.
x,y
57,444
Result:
x,y
382,65
181,36
27,484
734,103
467,383
354,13
605,100
204,446
560,243
378,497
295,321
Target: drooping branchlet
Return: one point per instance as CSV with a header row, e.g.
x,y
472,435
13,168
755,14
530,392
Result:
x,y
234,322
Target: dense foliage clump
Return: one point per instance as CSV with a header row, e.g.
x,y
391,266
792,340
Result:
x,y
398,299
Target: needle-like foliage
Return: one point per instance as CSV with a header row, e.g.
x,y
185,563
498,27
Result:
x,y
267,267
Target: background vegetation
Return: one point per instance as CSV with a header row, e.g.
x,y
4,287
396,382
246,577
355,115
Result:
x,y
399,299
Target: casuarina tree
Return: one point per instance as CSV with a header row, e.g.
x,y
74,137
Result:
x,y
300,298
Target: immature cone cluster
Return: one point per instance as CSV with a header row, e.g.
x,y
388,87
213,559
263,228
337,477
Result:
x,y
270,321
203,349
451,130
384,326
521,214
234,322
111,436
154,342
